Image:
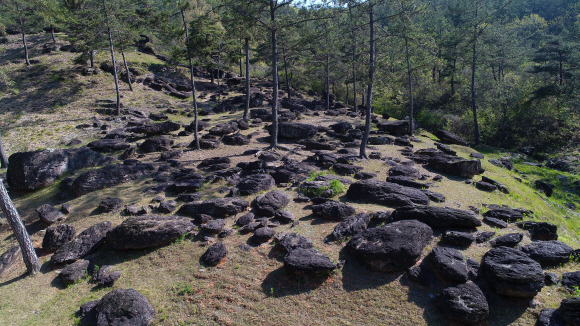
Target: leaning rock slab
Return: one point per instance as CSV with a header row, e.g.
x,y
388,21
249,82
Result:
x,y
56,236
333,210
74,271
454,165
308,261
83,244
549,253
465,303
449,262
437,217
266,205
9,258
386,193
216,207
109,176
49,215
147,231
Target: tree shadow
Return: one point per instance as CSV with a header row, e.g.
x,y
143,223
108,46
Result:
x,y
280,283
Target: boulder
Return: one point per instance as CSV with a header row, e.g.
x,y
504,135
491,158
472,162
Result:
x,y
108,145
120,307
407,182
110,204
308,261
394,247
215,207
512,273
437,217
484,236
385,193
546,187
333,210
394,127
346,169
266,205
404,171
507,240
109,176
156,144
224,129
9,258
571,280
214,254
449,263
292,241
140,232
494,222
549,253
465,303
350,226
550,317
540,230
315,145
245,219
255,183
215,163
155,128
236,140
570,311
188,185
434,196
450,138
263,234
284,216
36,170
456,238
503,162
83,244
56,236
106,277
381,140
213,226
74,271
485,186
454,165
49,215
296,130
505,214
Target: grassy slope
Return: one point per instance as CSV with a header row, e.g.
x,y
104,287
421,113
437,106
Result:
x,y
248,288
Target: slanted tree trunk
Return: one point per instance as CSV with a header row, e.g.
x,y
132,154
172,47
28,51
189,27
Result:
x,y
363,145
274,140
247,108
13,218
410,83
113,59
473,62
192,80
23,34
52,34
127,70
3,157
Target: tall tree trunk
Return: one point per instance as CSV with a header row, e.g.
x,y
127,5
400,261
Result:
x,y
3,157
192,80
327,72
113,59
127,70
286,73
410,83
363,145
92,54
473,106
274,140
23,35
28,253
247,108
218,74
346,97
354,68
241,72
52,34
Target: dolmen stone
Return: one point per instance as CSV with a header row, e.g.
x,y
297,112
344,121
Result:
x,y
549,253
73,272
456,238
236,140
540,230
296,130
156,144
292,241
263,234
83,244
106,276
350,226
214,254
450,138
110,204
465,303
333,210
507,240
454,165
449,263
512,273
215,207
255,183
9,258
437,217
308,261
49,215
155,128
267,205
108,145
393,247
386,193
213,226
38,169
120,307
140,232
505,214
394,127
109,176
56,236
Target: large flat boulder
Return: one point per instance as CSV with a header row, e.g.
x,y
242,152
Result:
x,y
449,262
255,183
549,253
393,247
216,207
386,193
120,307
83,244
450,138
267,205
109,176
465,303
454,165
512,273
56,236
437,217
394,127
308,261
155,128
108,145
147,231
296,130
38,169
156,144
333,210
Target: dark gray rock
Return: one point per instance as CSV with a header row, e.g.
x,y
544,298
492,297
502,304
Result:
x,y
188,185
224,129
245,219
166,207
405,171
56,236
456,238
147,231
296,130
551,279
549,253
504,214
49,215
308,261
385,193
450,138
550,317
364,175
83,244
571,280
512,273
109,176
236,140
434,196
284,216
407,182
155,128
346,169
36,170
454,165
350,226
124,307
106,276
507,240
263,234
73,272
9,258
255,183
214,254
540,230
449,262
437,217
485,186
570,311
267,205
494,222
333,210
484,236
292,241
394,247
394,127
464,303
503,162
156,144
216,207
108,145
477,155
110,204
213,226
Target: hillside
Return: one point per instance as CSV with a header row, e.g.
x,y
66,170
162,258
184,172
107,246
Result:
x,y
43,105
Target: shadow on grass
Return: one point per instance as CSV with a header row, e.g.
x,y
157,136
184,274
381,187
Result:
x,y
280,283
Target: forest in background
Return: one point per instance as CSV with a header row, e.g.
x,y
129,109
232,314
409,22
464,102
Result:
x,y
513,65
